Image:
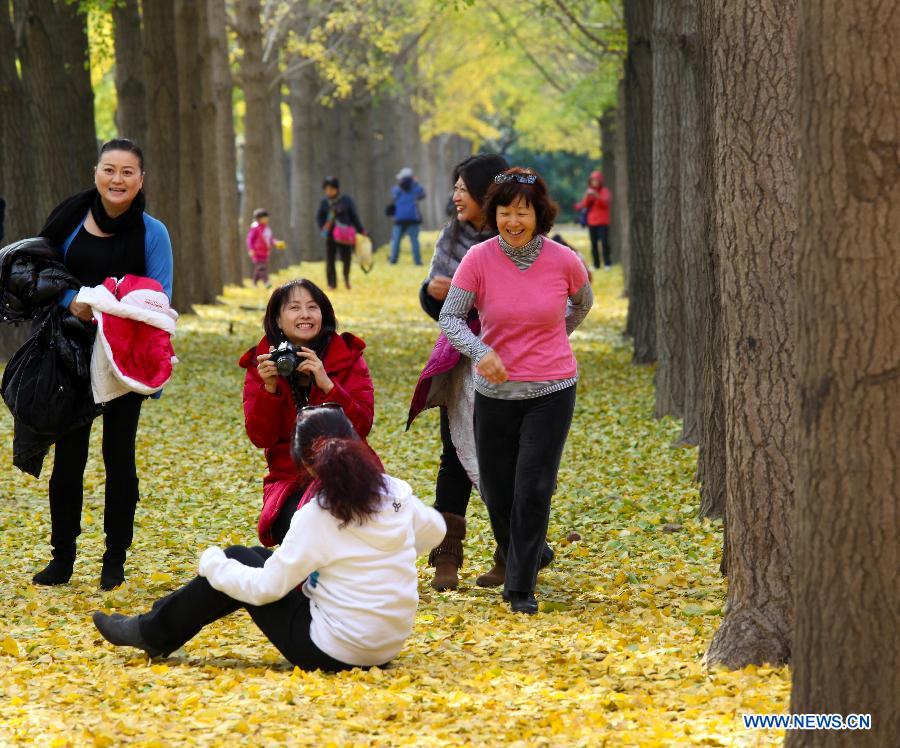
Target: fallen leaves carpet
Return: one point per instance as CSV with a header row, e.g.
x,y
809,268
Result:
x,y
613,659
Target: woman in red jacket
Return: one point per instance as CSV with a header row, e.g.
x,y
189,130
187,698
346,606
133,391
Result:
x,y
330,368
596,201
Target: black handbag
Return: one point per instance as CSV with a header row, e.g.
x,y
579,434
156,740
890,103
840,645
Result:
x,y
390,209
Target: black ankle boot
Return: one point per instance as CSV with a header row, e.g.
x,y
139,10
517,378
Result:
x,y
112,574
58,571
521,602
123,631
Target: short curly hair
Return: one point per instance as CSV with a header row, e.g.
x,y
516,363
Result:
x,y
535,194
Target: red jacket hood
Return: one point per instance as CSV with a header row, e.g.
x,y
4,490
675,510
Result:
x,y
342,352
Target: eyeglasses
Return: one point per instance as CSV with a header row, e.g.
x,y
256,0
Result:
x,y
520,178
328,406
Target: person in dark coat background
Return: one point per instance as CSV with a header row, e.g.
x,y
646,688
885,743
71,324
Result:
x,y
336,211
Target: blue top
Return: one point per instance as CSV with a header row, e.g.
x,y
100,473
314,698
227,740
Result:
x,y
406,209
157,255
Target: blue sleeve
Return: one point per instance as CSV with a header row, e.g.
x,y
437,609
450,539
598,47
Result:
x,y
158,253
395,192
420,192
322,213
66,299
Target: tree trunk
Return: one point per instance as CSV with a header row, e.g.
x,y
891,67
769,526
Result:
x,y
304,177
191,267
57,87
755,89
221,224
131,113
847,537
277,195
257,136
17,168
702,256
641,323
608,138
667,263
619,218
161,183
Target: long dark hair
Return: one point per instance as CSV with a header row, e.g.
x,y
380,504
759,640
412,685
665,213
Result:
x,y
477,173
350,480
279,299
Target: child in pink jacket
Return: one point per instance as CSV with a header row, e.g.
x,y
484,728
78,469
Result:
x,y
260,241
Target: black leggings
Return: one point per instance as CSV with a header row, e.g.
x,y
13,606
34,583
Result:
x,y
120,422
454,487
179,616
600,236
331,250
520,444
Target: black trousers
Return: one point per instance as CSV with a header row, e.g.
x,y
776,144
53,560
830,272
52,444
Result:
x,y
520,444
120,422
599,235
179,616
332,248
453,487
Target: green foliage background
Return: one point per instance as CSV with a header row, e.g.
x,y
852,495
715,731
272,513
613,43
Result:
x,y
614,658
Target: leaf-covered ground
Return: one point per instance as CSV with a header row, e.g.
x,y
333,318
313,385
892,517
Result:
x,y
614,658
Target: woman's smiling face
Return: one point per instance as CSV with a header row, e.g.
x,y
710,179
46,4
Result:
x,y
301,317
118,178
516,222
467,207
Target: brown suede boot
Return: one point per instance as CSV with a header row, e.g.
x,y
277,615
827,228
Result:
x,y
447,558
496,576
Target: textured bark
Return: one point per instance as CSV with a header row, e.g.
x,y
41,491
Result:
x,y
693,203
304,178
641,323
667,263
619,218
847,538
702,256
131,112
608,138
257,164
191,267
755,154
56,81
220,178
161,181
16,151
277,199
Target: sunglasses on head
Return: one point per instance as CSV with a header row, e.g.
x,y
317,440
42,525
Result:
x,y
520,178
329,406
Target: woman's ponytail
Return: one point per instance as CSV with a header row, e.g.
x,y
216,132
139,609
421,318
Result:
x,y
351,480
350,477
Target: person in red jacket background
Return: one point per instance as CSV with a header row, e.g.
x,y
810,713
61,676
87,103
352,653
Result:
x,y
596,201
330,369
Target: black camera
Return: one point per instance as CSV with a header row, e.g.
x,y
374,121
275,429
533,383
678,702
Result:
x,y
285,358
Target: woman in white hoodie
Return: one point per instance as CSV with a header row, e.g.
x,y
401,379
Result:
x,y
341,590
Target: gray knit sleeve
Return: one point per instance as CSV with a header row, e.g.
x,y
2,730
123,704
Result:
x,y
579,306
453,322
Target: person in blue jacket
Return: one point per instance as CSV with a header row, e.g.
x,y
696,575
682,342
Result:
x,y
103,232
406,195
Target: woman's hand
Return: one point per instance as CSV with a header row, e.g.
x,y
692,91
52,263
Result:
x,y
492,368
84,312
268,372
439,287
312,365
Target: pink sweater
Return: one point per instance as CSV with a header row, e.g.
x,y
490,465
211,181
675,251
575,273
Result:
x,y
523,313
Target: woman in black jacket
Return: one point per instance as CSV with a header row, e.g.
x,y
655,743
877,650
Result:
x,y
337,213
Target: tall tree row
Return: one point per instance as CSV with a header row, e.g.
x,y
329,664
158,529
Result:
x,y
847,538
641,323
